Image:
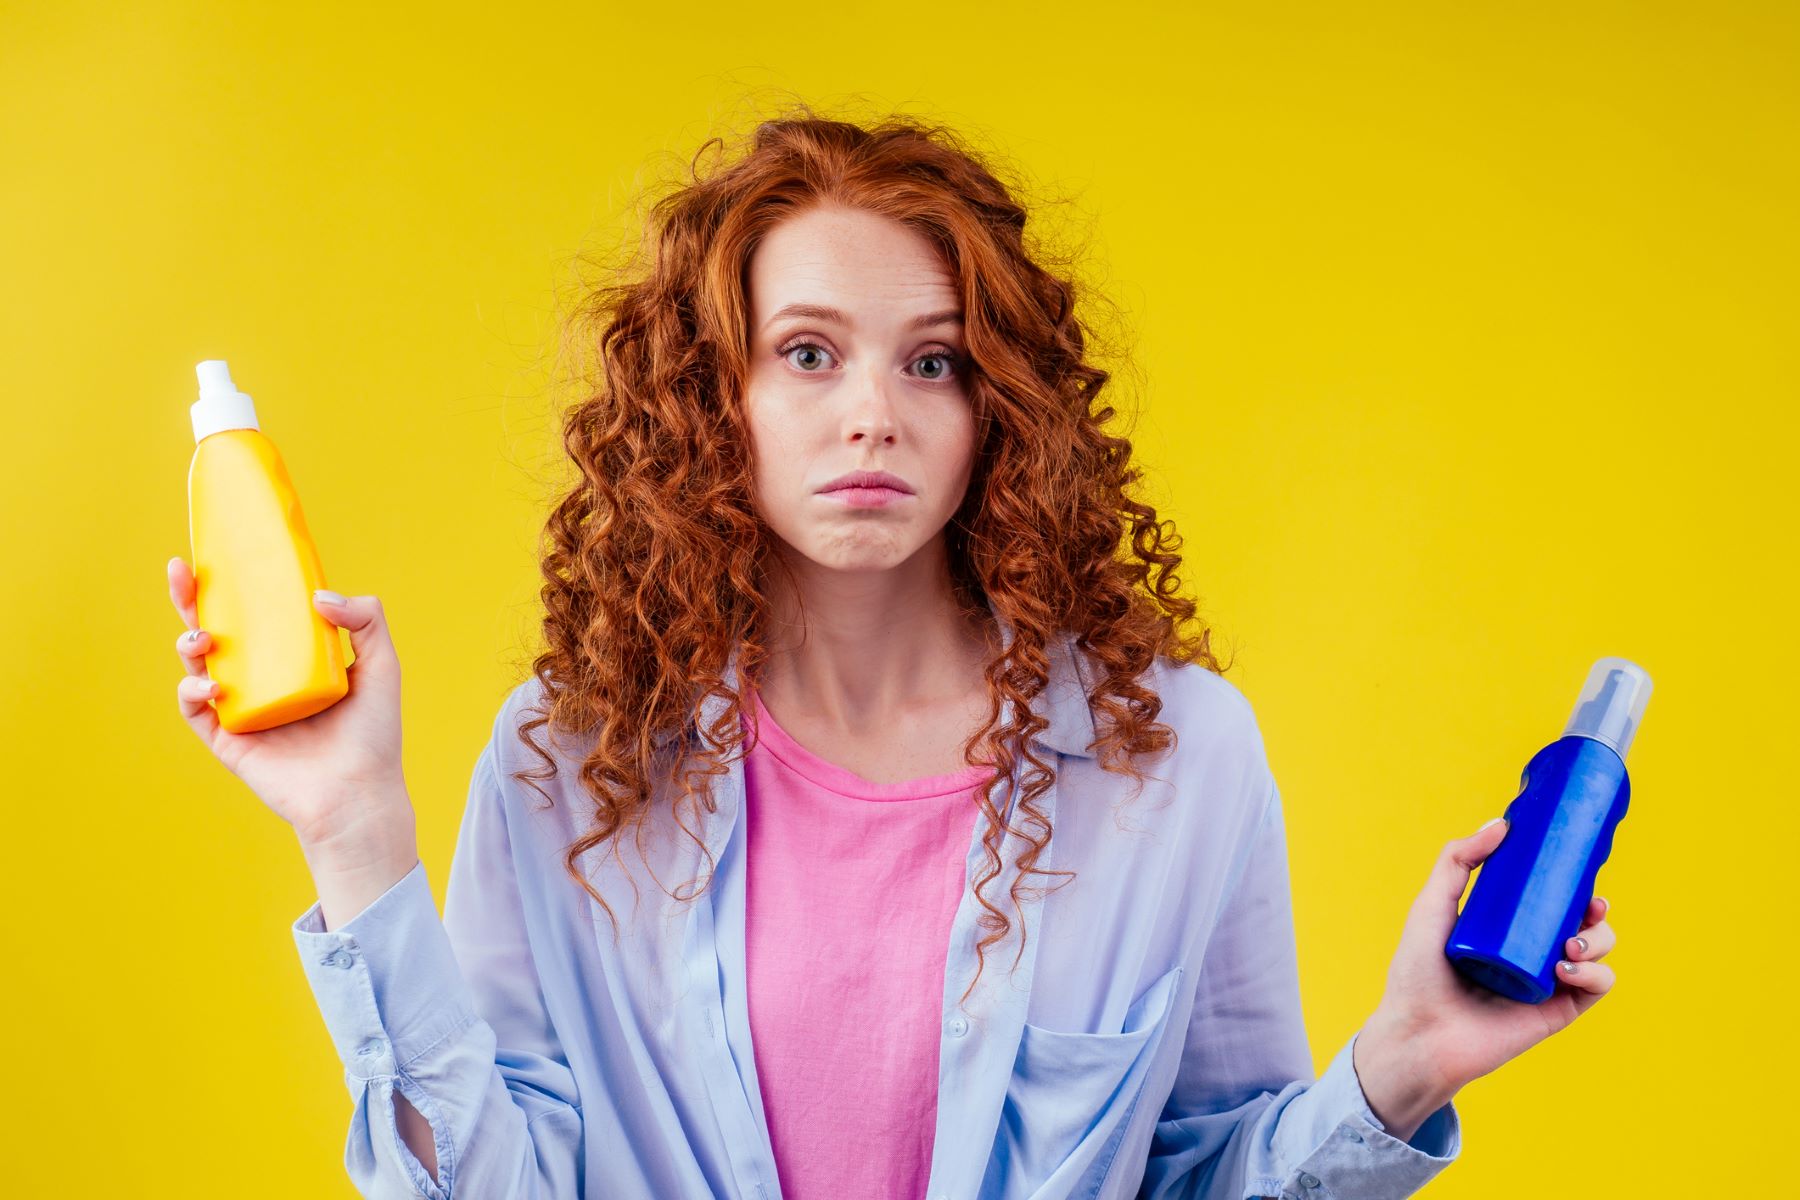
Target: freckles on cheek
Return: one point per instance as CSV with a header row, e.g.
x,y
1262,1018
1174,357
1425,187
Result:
x,y
767,441
771,420
777,460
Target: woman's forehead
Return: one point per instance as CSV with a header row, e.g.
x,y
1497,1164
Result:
x,y
861,266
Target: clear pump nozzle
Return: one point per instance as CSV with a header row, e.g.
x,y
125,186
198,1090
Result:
x,y
1611,704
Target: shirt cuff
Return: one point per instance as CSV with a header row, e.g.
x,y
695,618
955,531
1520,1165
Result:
x,y
1345,1151
386,981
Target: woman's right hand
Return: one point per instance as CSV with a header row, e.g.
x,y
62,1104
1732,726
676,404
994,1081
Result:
x,y
334,776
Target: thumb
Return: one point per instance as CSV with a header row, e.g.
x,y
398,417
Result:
x,y
1450,877
363,618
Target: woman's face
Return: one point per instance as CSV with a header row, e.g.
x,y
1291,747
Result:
x,y
877,384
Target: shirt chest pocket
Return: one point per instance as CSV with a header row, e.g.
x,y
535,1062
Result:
x,y
1070,1099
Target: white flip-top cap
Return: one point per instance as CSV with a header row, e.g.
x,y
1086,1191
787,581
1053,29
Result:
x,y
1612,703
221,405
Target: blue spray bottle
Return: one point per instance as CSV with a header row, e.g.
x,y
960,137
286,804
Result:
x,y
1533,890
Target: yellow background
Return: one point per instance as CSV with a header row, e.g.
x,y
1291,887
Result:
x,y
1466,344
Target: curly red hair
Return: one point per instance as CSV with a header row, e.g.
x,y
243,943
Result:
x,y
654,562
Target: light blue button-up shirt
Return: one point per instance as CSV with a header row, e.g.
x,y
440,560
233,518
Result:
x,y
1149,1042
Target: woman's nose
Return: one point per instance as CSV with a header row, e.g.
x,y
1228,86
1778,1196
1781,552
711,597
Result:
x,y
872,404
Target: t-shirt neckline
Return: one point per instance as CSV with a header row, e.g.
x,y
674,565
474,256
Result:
x,y
826,774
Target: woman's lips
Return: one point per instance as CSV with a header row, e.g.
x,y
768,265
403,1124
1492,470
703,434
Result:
x,y
866,497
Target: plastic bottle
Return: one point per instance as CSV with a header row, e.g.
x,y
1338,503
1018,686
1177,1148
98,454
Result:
x,y
274,656
1531,893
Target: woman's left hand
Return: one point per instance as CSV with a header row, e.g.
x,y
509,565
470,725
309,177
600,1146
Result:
x,y
1453,1029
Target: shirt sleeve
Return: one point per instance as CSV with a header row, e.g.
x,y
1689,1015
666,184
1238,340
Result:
x,y
452,1015
1245,1117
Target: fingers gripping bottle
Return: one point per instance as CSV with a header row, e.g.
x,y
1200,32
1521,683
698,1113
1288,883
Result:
x,y
275,657
1534,889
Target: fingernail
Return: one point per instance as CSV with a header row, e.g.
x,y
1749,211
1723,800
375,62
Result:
x,y
1492,821
330,597
194,635
1582,942
1604,905
1568,967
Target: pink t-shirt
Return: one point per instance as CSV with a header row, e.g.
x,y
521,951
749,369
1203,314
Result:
x,y
851,886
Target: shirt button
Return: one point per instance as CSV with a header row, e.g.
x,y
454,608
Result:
x,y
371,1047
1308,1180
1353,1135
337,958
958,1026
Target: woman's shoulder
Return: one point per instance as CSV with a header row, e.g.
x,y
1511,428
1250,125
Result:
x,y
518,740
1208,712
1219,763
1215,760
522,715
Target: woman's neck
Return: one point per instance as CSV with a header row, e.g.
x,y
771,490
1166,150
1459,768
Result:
x,y
871,650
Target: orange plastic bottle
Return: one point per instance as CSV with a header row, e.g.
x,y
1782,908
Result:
x,y
274,656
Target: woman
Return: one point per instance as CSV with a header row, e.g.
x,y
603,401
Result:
x,y
839,636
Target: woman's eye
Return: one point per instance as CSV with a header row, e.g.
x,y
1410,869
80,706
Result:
x,y
944,357
813,353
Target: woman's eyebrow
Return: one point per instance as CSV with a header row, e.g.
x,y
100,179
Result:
x,y
824,312
949,316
